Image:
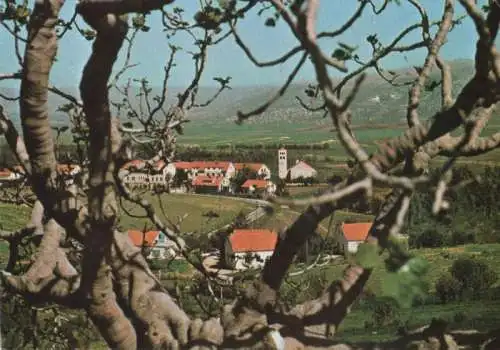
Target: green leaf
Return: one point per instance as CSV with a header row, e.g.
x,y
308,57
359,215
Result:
x,y
367,256
139,21
128,125
270,22
407,282
348,48
341,55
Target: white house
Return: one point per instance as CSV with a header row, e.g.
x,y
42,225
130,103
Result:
x,y
7,175
352,235
301,170
260,168
249,248
155,243
141,173
208,168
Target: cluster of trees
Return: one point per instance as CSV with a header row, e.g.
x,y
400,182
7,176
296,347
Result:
x,y
275,146
471,195
467,279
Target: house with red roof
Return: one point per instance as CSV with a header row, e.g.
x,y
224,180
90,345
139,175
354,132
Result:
x,y
352,235
208,168
301,170
260,168
8,176
252,186
154,244
141,173
249,248
210,184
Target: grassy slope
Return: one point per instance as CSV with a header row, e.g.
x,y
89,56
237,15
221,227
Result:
x,y
481,314
176,205
14,217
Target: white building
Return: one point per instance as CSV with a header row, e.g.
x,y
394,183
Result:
x,y
282,163
140,173
249,248
301,170
208,168
352,235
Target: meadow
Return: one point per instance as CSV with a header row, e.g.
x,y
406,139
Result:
x,y
481,314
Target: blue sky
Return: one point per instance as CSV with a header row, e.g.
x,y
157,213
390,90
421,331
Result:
x,y
151,49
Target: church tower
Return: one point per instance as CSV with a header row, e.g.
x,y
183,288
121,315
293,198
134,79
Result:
x,y
282,163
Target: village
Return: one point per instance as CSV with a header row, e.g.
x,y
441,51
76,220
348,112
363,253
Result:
x,y
243,248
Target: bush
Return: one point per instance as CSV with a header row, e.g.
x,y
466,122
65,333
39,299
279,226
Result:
x,y
460,317
385,312
448,288
474,276
429,238
459,237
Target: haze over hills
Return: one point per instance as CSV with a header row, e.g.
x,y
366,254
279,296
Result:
x,y
376,103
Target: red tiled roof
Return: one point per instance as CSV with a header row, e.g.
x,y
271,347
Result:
x,y
208,181
304,164
250,240
255,183
202,165
65,168
140,238
356,231
252,166
5,172
139,164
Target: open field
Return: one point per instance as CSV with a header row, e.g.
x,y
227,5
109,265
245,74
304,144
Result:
x,y
177,205
284,217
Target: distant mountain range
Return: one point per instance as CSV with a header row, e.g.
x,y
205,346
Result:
x,y
377,102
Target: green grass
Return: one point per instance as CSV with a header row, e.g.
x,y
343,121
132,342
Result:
x,y
284,217
482,315
177,205
13,217
440,260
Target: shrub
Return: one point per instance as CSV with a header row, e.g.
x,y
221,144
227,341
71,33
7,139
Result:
x,y
430,238
459,237
460,317
385,312
474,276
448,288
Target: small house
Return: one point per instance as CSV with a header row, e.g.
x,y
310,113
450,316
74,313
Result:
x,y
140,173
249,248
261,169
352,235
154,244
301,170
258,186
210,184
